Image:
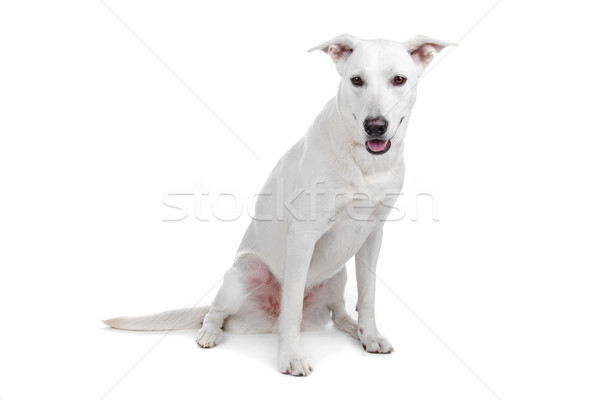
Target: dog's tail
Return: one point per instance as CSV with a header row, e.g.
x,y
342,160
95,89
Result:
x,y
185,318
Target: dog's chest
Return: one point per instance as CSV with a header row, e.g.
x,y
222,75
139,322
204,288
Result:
x,y
372,196
360,211
365,207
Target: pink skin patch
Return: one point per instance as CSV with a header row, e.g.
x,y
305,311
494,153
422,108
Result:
x,y
266,291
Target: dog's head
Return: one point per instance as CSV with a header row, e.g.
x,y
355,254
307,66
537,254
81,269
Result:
x,y
378,84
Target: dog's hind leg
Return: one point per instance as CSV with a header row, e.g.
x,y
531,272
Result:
x,y
341,319
228,301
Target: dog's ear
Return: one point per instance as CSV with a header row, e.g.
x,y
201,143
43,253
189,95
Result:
x,y
421,49
339,48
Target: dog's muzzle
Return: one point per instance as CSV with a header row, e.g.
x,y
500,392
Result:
x,y
375,129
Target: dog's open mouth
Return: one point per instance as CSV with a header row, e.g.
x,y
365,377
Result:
x,y
377,146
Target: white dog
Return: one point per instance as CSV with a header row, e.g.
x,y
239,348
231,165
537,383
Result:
x,y
325,202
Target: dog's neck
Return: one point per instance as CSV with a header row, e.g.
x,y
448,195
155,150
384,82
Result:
x,y
337,134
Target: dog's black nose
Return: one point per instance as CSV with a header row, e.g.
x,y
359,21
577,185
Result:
x,y
376,126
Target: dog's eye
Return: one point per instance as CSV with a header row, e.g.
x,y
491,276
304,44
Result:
x,y
399,80
357,80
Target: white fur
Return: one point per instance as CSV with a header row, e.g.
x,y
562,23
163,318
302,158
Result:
x,y
305,246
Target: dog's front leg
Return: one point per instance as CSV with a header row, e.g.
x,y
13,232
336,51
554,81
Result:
x,y
366,262
299,249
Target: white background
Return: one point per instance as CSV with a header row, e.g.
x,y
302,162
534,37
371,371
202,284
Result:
x,y
95,131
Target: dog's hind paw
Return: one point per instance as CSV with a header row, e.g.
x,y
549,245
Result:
x,y
209,336
348,325
294,364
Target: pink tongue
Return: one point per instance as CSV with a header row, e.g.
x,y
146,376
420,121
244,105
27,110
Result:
x,y
377,145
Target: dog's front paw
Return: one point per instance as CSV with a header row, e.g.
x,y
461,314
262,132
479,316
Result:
x,y
209,336
375,343
294,364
